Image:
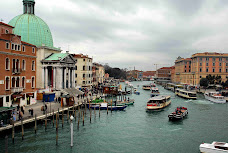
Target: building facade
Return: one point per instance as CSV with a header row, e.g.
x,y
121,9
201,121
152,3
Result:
x,y
18,69
98,73
83,70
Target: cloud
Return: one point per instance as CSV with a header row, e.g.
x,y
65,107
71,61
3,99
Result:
x,y
132,33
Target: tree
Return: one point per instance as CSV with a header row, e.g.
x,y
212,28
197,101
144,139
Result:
x,y
211,79
218,79
204,82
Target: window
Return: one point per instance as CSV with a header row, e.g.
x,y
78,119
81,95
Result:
x,y
23,82
76,75
220,64
18,82
83,68
189,70
83,75
23,65
213,70
7,98
7,45
213,59
76,67
220,59
200,58
200,69
206,69
213,64
33,65
226,70
206,64
23,48
12,46
185,70
33,82
207,59
33,50
7,83
83,59
7,31
220,70
226,64
19,47
83,82
15,47
185,66
7,64
227,59
200,64
200,76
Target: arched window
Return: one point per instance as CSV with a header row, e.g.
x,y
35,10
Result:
x,y
7,83
18,82
33,82
7,64
13,82
33,65
23,64
23,82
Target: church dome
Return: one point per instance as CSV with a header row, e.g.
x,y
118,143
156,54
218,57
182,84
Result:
x,y
31,28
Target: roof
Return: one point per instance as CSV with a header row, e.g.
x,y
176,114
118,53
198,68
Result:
x,y
160,97
32,29
56,56
2,23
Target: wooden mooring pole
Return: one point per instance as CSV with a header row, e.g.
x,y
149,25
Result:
x,y
6,144
22,129
83,119
35,128
53,117
94,112
68,115
78,119
56,128
46,121
99,110
62,118
13,131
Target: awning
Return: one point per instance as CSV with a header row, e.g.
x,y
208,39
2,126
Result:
x,y
16,95
30,94
72,92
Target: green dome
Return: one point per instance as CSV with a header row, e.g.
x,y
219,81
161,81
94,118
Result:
x,y
32,29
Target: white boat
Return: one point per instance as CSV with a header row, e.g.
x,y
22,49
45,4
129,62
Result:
x,y
154,92
185,94
146,87
179,113
214,147
215,97
158,102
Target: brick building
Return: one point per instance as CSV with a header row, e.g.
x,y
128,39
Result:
x,y
18,69
163,74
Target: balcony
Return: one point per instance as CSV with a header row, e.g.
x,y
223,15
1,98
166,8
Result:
x,y
16,89
16,71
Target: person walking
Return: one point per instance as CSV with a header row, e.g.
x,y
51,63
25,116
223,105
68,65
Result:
x,y
22,110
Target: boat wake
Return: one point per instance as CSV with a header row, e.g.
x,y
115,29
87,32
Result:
x,y
205,102
175,129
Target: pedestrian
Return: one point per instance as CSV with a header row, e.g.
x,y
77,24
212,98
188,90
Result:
x,y
18,107
59,99
45,107
22,110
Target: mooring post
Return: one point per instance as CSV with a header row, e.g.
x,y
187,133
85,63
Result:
x,y
107,108
53,117
68,115
83,119
90,115
35,124
22,129
6,144
62,118
78,119
99,110
111,105
46,121
13,131
58,115
71,129
94,112
56,128
75,114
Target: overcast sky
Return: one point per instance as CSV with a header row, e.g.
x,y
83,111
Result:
x,y
128,33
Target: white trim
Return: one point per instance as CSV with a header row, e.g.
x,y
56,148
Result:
x,y
8,82
34,82
8,64
23,68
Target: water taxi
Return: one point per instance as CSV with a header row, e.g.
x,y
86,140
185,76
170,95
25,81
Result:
x,y
179,113
215,97
170,86
136,92
158,102
154,92
214,147
146,87
186,94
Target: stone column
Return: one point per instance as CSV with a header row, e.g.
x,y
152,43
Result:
x,y
46,77
54,78
68,77
64,78
42,77
73,77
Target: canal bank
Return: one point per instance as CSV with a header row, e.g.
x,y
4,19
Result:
x,y
134,130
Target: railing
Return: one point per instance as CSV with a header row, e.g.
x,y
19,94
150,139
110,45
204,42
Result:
x,y
16,71
16,89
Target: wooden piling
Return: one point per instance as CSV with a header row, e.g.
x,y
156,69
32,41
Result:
x,y
62,118
58,115
13,132
22,129
73,110
6,144
99,110
68,115
35,124
94,112
111,106
90,115
53,117
75,115
46,121
78,119
56,128
107,108
83,119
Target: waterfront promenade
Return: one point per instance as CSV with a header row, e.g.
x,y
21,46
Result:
x,y
51,107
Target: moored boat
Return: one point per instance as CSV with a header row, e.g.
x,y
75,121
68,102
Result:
x,y
146,87
214,147
154,92
136,92
186,94
158,102
179,113
103,106
215,97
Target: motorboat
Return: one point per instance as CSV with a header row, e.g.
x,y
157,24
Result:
x,y
146,87
186,94
178,114
215,97
154,92
103,106
214,147
158,102
136,92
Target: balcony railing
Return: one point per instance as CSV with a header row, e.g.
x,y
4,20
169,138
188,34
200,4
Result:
x,y
16,89
16,71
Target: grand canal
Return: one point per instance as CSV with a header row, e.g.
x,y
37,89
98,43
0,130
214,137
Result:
x,y
134,130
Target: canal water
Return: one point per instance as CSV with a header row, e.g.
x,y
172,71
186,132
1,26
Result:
x,y
133,130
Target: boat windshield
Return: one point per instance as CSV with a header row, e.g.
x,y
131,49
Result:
x,y
192,95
